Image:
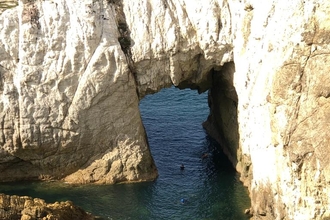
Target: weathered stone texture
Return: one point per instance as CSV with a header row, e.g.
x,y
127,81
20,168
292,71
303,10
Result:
x,y
69,102
27,208
178,42
72,74
282,83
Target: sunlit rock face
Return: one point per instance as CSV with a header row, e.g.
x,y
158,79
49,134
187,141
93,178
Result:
x,y
25,207
265,63
178,42
72,74
69,106
282,82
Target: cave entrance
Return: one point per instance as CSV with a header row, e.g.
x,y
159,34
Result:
x,y
209,184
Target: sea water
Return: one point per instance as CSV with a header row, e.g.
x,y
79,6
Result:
x,y
207,188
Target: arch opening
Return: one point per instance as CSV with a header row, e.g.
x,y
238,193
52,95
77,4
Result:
x,y
173,121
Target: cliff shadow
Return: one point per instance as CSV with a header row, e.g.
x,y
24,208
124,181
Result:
x,y
222,123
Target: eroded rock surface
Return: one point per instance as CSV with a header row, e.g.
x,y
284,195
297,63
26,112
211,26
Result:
x,y
27,208
69,106
72,74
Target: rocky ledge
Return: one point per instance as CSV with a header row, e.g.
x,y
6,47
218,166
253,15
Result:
x,y
27,208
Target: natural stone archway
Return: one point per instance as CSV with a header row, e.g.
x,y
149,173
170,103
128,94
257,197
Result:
x,y
70,93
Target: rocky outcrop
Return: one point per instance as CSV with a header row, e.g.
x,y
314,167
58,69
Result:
x,y
69,106
27,208
72,74
281,79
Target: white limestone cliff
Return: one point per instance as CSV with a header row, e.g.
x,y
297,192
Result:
x,y
69,103
72,74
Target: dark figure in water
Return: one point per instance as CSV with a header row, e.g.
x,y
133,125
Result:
x,y
205,155
182,167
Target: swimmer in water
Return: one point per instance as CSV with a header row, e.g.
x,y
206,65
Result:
x,y
182,167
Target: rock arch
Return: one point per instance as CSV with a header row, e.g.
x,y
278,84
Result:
x,y
69,93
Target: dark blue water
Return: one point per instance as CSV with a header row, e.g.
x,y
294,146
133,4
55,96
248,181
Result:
x,y
208,187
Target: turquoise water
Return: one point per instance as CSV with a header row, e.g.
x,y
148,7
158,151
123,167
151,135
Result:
x,y
210,186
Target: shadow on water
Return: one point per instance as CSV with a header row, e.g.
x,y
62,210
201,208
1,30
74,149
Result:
x,y
208,187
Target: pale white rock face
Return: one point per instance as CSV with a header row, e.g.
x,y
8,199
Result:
x,y
69,102
72,74
272,44
282,83
177,42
